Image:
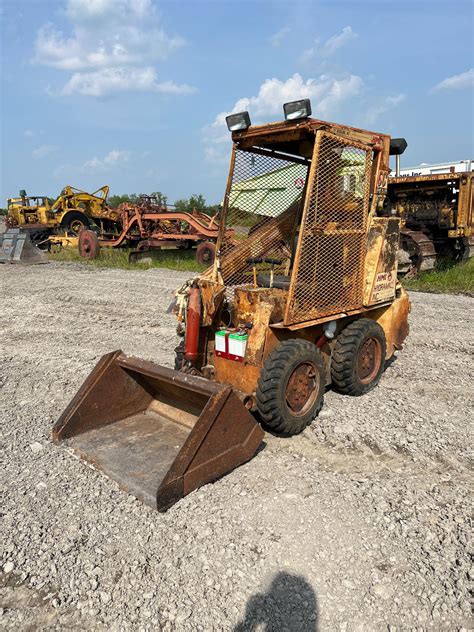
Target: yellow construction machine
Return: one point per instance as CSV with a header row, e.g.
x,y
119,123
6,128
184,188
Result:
x,y
72,211
437,213
306,296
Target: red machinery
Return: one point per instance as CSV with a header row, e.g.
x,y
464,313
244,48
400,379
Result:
x,y
151,226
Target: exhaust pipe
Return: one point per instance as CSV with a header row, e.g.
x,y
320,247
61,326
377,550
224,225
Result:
x,y
397,147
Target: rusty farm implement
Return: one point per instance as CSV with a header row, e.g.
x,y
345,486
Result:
x,y
149,226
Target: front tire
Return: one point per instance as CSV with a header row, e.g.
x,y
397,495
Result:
x,y
291,387
358,358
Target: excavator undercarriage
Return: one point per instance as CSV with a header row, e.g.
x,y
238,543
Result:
x,y
437,219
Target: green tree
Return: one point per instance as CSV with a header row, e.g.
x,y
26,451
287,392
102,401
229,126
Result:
x,y
116,200
161,197
197,202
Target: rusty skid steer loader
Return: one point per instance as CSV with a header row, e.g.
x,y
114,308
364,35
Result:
x,y
303,294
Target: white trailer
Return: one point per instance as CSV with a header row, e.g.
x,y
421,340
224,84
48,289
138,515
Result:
x,y
457,166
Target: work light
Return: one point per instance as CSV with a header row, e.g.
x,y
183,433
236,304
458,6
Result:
x,y
297,109
237,122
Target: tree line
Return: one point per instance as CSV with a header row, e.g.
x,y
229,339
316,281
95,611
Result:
x,y
195,201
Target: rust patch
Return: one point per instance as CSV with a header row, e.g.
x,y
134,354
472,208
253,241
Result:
x,y
256,340
240,375
248,301
212,295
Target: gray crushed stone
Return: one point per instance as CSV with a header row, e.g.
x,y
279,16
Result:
x,y
359,524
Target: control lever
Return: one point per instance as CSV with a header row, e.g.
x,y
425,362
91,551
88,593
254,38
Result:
x,y
273,263
254,261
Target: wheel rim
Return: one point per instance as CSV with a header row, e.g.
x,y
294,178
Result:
x,y
369,360
302,389
206,255
86,245
76,226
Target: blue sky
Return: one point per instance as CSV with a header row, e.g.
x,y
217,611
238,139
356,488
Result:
x,y
133,93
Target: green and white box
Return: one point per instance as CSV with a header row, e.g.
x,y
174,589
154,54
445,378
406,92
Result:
x,y
238,344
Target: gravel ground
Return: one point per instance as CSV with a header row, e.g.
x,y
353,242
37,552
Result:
x,y
361,523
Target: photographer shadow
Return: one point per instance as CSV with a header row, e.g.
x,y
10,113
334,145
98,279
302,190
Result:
x,y
289,605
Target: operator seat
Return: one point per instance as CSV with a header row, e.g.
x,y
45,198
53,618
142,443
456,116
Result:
x,y
280,281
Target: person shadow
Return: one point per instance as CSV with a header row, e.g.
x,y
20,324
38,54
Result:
x,y
290,605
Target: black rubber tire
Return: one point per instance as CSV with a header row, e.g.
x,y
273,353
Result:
x,y
345,357
280,365
206,253
74,217
88,244
179,356
461,254
38,238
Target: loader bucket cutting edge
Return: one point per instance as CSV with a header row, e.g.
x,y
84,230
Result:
x,y
158,433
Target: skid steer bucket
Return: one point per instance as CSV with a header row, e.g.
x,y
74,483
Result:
x,y
159,433
16,247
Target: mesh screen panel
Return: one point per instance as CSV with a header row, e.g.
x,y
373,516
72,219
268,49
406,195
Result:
x,y
328,272
264,203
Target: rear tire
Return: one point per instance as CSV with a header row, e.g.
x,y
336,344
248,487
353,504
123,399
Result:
x,y
291,387
74,222
206,253
358,358
88,244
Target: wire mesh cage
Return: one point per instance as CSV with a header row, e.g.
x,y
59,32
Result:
x,y
328,270
263,207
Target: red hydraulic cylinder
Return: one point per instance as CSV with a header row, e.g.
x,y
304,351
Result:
x,y
193,320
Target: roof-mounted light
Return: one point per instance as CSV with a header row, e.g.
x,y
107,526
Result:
x,y
238,122
297,109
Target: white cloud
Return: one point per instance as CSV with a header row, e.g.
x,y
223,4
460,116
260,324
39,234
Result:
x,y
106,10
128,33
217,155
456,82
108,36
43,150
63,171
330,46
337,41
28,133
113,158
389,103
277,38
114,80
327,92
